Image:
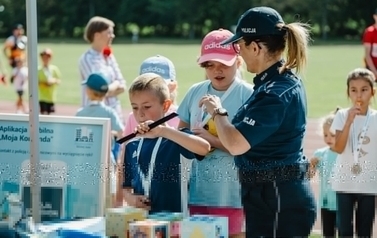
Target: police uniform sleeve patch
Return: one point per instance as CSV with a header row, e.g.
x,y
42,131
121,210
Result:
x,y
269,86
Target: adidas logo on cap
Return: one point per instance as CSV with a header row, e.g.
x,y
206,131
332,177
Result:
x,y
213,45
153,69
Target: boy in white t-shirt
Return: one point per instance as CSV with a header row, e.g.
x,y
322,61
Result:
x,y
19,80
354,173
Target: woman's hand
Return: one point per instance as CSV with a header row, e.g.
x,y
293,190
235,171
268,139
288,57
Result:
x,y
210,102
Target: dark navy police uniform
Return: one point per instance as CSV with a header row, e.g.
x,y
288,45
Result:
x,y
276,193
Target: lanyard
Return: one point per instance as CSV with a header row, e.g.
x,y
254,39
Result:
x,y
222,99
146,180
357,142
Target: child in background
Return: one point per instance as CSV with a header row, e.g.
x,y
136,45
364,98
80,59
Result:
x,y
354,174
156,162
96,88
48,78
214,184
165,68
324,160
3,73
19,79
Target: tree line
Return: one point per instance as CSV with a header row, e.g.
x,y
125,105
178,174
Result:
x,y
185,18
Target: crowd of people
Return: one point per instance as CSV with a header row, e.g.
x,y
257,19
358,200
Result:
x,y
235,149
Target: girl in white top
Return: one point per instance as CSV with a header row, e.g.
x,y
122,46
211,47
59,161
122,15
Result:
x,y
19,79
355,175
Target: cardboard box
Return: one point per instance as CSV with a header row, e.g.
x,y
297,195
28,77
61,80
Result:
x,y
174,218
150,229
118,220
202,226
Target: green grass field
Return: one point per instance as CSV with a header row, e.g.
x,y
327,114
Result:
x,y
324,77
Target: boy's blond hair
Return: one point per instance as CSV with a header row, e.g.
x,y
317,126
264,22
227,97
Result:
x,y
150,82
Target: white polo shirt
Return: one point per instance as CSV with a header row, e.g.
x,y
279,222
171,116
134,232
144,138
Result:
x,y
93,61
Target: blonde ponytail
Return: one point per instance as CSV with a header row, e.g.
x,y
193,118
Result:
x,y
298,37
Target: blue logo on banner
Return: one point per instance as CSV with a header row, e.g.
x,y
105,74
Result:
x,y
84,134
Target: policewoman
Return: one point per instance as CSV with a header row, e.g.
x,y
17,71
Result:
x,y
266,135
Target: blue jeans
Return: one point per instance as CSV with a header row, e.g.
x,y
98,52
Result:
x,y
278,209
365,212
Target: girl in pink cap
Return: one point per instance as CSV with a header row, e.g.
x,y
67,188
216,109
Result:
x,y
214,187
